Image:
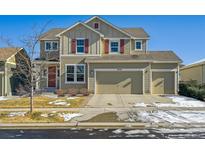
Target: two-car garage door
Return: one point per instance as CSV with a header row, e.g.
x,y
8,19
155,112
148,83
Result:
x,y
119,82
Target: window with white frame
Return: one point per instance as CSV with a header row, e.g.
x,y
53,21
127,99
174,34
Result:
x,y
51,45
80,45
75,73
138,45
114,46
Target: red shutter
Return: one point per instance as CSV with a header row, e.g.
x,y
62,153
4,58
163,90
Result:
x,y
73,46
106,46
86,45
122,46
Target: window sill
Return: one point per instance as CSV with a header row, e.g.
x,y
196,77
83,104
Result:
x,y
75,82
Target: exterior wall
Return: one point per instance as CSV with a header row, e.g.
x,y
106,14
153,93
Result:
x,y
81,32
133,51
193,73
9,80
71,60
164,66
48,55
1,84
107,30
93,66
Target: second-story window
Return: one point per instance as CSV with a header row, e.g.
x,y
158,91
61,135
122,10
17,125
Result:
x,y
138,45
80,46
51,45
114,46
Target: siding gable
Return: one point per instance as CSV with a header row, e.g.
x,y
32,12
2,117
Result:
x,y
107,30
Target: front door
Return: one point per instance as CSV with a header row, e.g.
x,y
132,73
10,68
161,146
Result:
x,y
52,76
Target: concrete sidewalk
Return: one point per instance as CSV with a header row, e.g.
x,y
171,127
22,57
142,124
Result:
x,y
97,125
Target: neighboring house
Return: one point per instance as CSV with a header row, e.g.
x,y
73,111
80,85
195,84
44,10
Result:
x,y
105,59
10,59
194,72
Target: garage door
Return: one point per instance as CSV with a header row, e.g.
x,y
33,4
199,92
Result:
x,y
163,83
119,82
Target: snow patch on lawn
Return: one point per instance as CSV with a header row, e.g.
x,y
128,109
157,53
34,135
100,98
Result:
x,y
172,116
188,130
71,98
3,98
59,102
142,104
118,131
50,96
69,116
181,101
14,114
131,132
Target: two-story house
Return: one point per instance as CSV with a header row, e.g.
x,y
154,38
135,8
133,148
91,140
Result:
x,y
106,59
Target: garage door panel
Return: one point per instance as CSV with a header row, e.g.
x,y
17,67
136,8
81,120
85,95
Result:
x,y
118,82
163,82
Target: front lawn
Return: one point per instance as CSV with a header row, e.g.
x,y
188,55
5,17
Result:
x,y
37,117
44,102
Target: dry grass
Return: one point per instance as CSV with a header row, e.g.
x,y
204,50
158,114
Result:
x,y
105,117
35,117
41,102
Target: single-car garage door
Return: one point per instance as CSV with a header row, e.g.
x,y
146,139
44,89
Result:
x,y
163,82
119,82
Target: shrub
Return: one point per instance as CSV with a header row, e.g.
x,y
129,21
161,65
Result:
x,y
60,93
84,91
191,90
72,91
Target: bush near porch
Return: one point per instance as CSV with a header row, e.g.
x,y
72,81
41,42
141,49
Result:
x,y
192,89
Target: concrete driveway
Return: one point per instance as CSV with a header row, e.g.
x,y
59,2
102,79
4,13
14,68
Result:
x,y
123,100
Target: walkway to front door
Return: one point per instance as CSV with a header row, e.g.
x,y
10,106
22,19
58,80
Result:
x,y
52,76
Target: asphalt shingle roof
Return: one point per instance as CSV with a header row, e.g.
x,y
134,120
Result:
x,y
136,32
5,53
149,56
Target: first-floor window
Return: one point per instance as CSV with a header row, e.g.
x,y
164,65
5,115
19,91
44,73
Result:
x,y
75,73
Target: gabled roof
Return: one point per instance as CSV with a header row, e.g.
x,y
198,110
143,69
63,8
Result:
x,y
6,53
150,56
51,34
136,32
197,63
79,23
115,27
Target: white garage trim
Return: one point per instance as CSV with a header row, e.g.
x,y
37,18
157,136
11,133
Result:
x,y
116,70
165,70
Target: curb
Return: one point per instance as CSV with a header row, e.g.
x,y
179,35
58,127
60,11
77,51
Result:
x,y
96,125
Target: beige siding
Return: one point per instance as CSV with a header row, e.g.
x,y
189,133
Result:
x,y
118,66
1,84
164,66
48,55
107,30
119,82
193,73
163,82
81,32
71,60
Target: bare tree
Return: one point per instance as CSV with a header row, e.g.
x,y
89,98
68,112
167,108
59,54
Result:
x,y
25,63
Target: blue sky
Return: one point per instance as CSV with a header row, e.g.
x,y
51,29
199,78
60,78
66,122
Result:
x,y
183,34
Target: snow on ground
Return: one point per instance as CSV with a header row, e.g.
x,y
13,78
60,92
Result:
x,y
70,98
171,116
69,116
181,101
50,95
142,104
59,102
118,131
180,130
131,132
3,98
14,114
